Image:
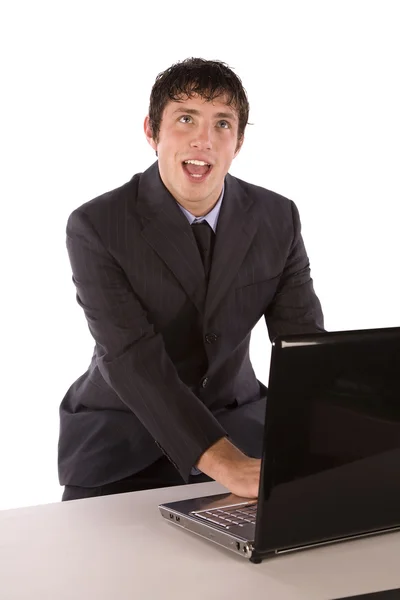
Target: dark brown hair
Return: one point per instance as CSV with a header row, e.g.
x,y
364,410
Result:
x,y
208,78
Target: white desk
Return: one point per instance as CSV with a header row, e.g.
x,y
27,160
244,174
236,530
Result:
x,y
120,548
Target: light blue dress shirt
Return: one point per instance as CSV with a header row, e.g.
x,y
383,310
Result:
x,y
212,219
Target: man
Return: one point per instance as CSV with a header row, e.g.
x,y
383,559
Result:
x,y
170,395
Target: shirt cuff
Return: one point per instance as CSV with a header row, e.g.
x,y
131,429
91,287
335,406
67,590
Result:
x,y
195,471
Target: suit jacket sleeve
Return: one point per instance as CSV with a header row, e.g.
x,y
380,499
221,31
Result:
x,y
295,307
132,357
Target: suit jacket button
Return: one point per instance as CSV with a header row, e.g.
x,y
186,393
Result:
x,y
211,338
204,383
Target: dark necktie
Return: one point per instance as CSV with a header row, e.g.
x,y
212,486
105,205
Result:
x,y
205,241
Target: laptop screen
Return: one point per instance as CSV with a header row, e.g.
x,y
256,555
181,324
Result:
x,y
331,465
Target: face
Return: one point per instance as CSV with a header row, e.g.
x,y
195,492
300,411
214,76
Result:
x,y
196,129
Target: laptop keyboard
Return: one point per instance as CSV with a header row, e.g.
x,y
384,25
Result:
x,y
230,515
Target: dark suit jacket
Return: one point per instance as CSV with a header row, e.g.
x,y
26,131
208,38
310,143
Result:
x,y
171,370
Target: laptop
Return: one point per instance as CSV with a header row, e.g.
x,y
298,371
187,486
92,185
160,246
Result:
x,y
330,466
393,594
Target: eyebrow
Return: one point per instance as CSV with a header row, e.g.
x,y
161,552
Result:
x,y
193,111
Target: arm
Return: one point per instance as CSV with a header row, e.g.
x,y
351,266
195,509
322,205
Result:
x,y
131,354
295,307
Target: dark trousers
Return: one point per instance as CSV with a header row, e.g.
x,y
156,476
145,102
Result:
x,y
160,474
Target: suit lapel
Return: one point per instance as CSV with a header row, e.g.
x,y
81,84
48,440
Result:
x,y
168,232
235,231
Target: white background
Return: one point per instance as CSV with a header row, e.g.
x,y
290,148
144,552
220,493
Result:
x,y
323,85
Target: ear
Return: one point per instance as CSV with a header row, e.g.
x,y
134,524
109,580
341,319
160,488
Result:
x,y
148,133
239,146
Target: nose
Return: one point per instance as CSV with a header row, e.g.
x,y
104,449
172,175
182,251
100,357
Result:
x,y
202,137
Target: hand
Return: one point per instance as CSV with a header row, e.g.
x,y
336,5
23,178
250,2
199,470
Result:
x,y
243,479
234,470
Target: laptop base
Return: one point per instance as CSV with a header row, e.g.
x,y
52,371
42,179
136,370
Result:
x,y
231,542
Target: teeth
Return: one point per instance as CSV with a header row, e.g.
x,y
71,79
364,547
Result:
x,y
196,162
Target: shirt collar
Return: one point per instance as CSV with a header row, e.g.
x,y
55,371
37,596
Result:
x,y
211,217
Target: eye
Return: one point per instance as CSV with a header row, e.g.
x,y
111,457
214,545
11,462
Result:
x,y
227,124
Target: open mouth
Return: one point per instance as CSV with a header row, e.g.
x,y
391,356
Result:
x,y
196,173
